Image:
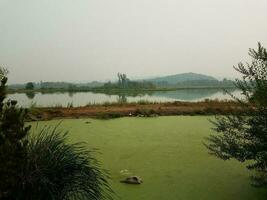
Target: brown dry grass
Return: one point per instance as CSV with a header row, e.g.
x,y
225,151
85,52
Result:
x,y
133,109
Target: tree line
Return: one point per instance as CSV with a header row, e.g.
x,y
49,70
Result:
x,y
124,83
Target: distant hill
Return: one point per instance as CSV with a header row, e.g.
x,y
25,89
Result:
x,y
190,80
180,78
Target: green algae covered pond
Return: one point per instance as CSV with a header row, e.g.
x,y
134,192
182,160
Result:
x,y
167,153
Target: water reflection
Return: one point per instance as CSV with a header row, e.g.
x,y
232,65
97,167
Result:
x,y
71,94
194,94
122,98
84,98
30,95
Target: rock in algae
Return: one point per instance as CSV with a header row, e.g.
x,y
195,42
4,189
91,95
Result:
x,y
132,180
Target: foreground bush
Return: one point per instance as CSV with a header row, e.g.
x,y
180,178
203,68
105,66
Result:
x,y
58,170
243,136
13,145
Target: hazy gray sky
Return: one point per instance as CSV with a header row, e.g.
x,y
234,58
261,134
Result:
x,y
85,40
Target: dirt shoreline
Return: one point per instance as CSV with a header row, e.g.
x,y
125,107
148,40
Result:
x,y
131,109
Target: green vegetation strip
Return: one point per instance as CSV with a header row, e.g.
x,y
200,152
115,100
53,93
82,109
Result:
x,y
167,153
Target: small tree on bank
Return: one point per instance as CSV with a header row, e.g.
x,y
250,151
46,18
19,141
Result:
x,y
243,136
29,86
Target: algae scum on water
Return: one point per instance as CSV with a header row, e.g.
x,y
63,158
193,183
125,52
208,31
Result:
x,y
167,152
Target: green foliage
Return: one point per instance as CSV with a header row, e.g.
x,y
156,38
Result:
x,y
3,79
58,170
243,136
13,145
110,115
72,87
29,86
143,112
68,86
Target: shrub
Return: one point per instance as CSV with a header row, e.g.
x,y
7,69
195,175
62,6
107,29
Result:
x,y
58,170
29,86
145,112
13,145
242,134
111,115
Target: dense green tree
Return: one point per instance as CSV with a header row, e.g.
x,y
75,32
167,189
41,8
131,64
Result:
x,y
243,135
13,145
29,86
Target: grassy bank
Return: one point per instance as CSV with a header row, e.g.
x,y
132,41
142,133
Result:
x,y
167,152
141,109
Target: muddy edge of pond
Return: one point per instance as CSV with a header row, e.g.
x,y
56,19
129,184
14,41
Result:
x,y
115,110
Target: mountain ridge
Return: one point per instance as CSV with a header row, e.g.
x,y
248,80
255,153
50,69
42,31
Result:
x,y
183,77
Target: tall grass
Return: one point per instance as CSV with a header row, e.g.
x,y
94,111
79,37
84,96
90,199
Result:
x,y
59,170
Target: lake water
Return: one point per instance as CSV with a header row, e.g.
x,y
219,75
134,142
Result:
x,y
84,98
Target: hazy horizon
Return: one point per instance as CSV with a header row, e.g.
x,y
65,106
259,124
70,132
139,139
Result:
x,y
115,79
93,40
